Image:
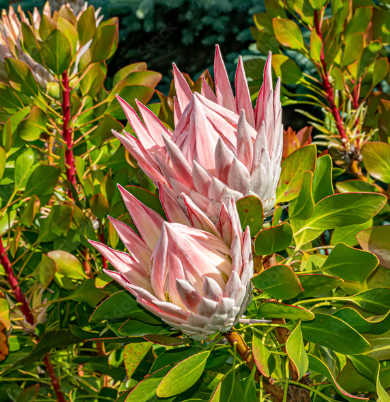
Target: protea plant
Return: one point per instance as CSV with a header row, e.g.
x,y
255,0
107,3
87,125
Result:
x,y
221,147
191,273
11,32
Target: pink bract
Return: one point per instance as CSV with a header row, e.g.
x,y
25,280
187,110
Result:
x,y
193,274
221,147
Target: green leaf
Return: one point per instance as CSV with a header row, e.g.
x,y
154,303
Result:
x,y
376,300
125,71
322,179
67,264
338,210
317,4
338,77
173,356
287,69
31,128
49,341
288,33
273,239
29,41
86,25
30,211
280,310
103,42
166,340
355,185
363,325
250,211
335,334
21,77
350,264
264,360
146,389
183,375
119,305
46,27
42,183
28,394
248,386
134,354
381,70
147,198
369,368
315,46
69,30
135,328
86,292
129,94
46,270
317,284
93,81
23,167
360,20
353,48
347,234
376,157
277,215
4,314
228,390
296,351
56,52
278,281
56,224
99,206
145,78
377,241
317,365
275,9
9,100
302,207
3,160
263,23
80,167
293,170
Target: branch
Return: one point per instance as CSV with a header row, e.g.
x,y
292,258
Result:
x,y
54,378
25,308
326,84
67,132
20,297
245,353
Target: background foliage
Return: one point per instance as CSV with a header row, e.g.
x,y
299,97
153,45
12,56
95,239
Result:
x,y
322,264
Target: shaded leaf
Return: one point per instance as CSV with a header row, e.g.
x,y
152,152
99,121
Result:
x,y
250,211
377,241
335,334
273,239
183,375
278,281
293,170
296,351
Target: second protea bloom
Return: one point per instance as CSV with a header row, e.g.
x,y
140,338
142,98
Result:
x,y
220,147
191,273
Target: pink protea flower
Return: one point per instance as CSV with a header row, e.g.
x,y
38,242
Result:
x,y
191,273
220,147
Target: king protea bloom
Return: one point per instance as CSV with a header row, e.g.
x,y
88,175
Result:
x,y
220,146
191,273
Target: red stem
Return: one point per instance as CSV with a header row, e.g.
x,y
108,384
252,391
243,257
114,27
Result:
x,y
54,378
20,297
326,84
25,308
67,132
